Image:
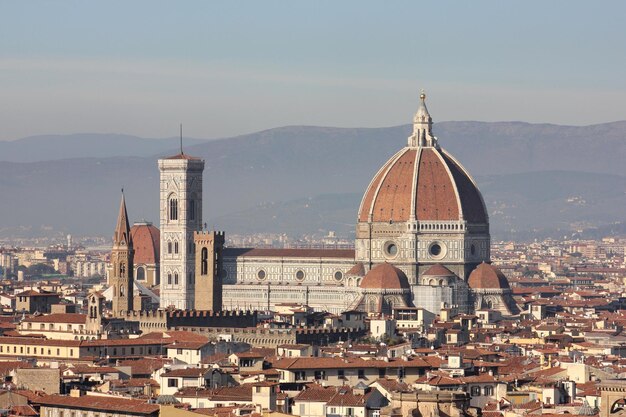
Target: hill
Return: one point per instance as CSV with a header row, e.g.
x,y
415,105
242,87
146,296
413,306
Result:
x,y
521,168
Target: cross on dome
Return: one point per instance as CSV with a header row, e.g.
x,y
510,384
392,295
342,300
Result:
x,y
422,127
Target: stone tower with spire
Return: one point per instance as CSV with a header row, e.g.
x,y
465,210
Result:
x,y
121,274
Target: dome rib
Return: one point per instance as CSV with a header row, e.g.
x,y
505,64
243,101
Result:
x,y
365,210
470,199
435,196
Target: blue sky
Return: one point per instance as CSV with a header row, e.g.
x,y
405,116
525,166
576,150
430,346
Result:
x,y
232,67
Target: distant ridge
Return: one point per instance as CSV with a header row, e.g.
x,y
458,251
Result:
x,y
76,190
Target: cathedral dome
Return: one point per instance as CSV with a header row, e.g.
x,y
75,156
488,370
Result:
x,y
487,276
146,243
385,276
422,182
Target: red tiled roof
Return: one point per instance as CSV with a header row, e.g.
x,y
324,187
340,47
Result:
x,y
146,243
385,276
290,253
438,270
487,276
72,318
443,190
106,404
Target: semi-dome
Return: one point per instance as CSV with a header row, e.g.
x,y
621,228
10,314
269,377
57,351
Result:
x,y
487,276
438,270
422,182
385,276
146,243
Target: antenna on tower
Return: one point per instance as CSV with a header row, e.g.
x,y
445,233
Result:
x,y
181,139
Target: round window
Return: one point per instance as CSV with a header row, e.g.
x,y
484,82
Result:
x,y
224,274
391,249
261,274
338,276
435,249
300,275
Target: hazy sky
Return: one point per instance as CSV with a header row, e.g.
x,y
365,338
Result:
x,y
232,67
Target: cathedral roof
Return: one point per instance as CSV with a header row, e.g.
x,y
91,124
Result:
x,y
438,270
146,243
422,182
487,276
357,270
289,253
385,276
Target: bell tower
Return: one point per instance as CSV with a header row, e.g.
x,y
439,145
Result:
x,y
121,275
180,216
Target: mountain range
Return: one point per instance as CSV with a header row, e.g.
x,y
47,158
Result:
x,y
537,179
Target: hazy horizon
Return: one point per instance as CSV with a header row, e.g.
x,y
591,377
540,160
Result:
x,y
226,69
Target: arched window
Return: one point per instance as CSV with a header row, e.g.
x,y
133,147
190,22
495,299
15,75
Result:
x,y
121,291
176,247
169,279
141,274
487,390
175,278
169,247
173,209
122,269
205,263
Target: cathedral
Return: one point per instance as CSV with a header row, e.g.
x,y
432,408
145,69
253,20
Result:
x,y
422,239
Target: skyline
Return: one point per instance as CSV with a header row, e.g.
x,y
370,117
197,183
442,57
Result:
x,y
229,69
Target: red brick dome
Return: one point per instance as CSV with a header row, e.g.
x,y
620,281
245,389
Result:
x,y
427,183
422,182
146,243
385,276
487,276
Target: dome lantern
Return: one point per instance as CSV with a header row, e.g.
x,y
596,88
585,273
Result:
x,y
422,127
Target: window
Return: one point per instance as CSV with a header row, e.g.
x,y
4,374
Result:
x,y
361,374
320,375
172,382
261,274
169,247
338,275
122,269
300,375
169,279
173,209
341,374
175,278
382,372
300,275
205,263
475,391
175,247
141,274
488,390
